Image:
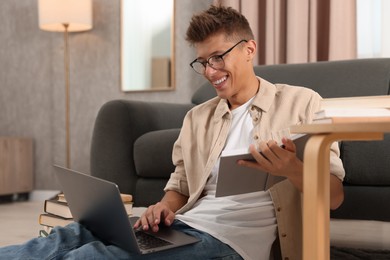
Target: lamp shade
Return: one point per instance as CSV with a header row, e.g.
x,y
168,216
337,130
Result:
x,y
53,14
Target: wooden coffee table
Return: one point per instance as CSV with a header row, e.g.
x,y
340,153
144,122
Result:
x,y
316,212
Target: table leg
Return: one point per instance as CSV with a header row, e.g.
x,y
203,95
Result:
x,y
316,202
316,212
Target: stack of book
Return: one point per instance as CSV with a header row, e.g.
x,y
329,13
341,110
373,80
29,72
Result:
x,y
353,110
57,213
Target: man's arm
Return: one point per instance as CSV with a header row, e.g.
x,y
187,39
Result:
x,y
284,162
162,211
336,192
174,200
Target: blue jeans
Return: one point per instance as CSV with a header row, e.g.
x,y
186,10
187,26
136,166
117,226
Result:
x,y
76,242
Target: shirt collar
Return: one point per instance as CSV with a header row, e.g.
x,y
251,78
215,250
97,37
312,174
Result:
x,y
222,109
266,95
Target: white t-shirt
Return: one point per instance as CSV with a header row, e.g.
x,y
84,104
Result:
x,y
245,222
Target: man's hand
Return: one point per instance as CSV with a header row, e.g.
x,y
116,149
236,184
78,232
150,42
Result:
x,y
284,162
275,159
154,215
161,212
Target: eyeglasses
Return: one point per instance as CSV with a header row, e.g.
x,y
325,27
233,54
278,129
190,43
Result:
x,y
216,61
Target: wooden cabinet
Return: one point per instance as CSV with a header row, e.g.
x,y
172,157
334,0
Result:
x,y
16,165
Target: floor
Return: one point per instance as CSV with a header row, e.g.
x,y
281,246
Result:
x,y
19,220
19,223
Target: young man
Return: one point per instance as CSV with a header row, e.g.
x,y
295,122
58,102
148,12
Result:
x,y
246,113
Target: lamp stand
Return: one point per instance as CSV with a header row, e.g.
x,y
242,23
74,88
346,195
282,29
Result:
x,y
67,95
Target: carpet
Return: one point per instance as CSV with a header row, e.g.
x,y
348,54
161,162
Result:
x,y
341,253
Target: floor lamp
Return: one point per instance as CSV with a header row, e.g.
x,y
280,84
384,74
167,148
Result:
x,y
65,16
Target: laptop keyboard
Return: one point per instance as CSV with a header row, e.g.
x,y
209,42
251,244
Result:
x,y
147,241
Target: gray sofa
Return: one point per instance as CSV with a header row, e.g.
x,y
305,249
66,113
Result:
x,y
132,141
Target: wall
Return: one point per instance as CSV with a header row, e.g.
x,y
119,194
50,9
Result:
x,y
32,79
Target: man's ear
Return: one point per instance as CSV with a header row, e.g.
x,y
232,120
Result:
x,y
251,49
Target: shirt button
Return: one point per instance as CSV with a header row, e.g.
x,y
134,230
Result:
x,y
256,137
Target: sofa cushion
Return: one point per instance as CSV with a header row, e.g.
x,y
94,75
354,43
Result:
x,y
364,203
153,153
366,162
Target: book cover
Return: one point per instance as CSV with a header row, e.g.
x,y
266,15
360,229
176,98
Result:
x,y
45,231
61,197
344,120
53,220
42,233
352,112
235,179
382,101
125,197
58,208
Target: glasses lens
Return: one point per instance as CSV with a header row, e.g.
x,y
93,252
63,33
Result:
x,y
216,62
198,67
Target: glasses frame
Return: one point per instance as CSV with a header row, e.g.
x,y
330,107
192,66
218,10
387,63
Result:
x,y
219,56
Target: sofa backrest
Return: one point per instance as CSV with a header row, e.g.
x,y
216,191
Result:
x,y
366,164
360,77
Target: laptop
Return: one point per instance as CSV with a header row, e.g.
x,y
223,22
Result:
x,y
97,205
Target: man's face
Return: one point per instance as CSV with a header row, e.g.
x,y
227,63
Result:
x,y
230,80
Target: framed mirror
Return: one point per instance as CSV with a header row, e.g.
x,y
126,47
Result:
x,y
147,45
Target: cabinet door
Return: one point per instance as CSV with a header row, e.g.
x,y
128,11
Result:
x,y
16,165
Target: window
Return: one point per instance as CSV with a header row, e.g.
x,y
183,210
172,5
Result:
x,y
373,28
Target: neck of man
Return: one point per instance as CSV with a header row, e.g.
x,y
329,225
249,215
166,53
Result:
x,y
250,89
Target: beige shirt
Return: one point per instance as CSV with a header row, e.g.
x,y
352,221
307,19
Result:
x,y
203,136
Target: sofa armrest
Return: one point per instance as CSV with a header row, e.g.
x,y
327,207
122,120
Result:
x,y
118,125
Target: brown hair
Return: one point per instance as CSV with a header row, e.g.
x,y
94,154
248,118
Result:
x,y
218,19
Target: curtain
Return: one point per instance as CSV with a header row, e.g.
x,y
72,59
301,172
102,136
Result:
x,y
299,31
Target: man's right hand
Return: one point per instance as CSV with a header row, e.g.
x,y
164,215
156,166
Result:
x,y
161,212
154,215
